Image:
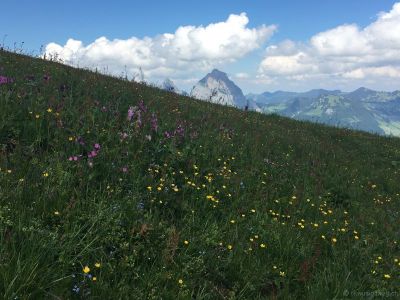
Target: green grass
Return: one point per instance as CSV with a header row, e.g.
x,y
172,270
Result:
x,y
229,184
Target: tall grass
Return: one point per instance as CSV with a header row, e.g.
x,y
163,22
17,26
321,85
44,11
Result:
x,y
182,198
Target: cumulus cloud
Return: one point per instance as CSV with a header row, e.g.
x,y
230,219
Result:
x,y
346,51
188,49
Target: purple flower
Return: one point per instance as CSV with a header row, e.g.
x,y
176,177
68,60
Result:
x,y
167,134
139,119
97,146
81,141
180,130
131,113
142,107
5,80
154,122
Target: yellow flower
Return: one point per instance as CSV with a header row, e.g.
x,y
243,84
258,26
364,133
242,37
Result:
x,y
94,278
322,236
86,269
186,242
37,116
356,237
253,210
180,281
45,174
230,247
233,221
97,265
49,110
263,246
334,240
149,188
374,186
387,276
56,213
282,273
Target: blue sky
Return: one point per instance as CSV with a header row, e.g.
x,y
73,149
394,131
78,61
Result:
x,y
41,22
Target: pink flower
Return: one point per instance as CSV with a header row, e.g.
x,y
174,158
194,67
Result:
x,y
125,169
97,146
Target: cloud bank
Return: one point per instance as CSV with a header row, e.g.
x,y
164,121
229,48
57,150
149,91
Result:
x,y
189,49
347,52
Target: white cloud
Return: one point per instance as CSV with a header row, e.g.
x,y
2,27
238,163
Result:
x,y
345,52
242,75
178,54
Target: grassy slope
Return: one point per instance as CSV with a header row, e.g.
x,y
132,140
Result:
x,y
290,186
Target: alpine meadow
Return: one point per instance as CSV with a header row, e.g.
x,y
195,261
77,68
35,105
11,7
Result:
x,y
112,189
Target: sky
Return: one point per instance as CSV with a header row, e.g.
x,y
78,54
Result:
x,y
262,45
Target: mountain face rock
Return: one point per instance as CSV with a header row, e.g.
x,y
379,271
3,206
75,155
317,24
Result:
x,y
170,86
362,109
216,87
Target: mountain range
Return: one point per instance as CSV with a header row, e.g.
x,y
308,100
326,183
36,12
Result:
x,y
362,109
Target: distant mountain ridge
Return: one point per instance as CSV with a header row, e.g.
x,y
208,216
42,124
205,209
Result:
x,y
363,109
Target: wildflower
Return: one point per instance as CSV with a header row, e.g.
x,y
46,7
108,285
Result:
x,y
334,240
154,122
230,247
37,116
323,236
253,210
56,213
97,146
125,169
97,265
356,237
263,246
45,174
186,242
131,113
387,276
373,186
4,80
94,278
149,188
233,221
86,269
282,273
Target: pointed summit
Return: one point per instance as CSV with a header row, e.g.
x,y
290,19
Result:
x,y
216,87
170,86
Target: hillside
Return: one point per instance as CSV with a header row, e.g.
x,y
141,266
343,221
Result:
x,y
114,190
